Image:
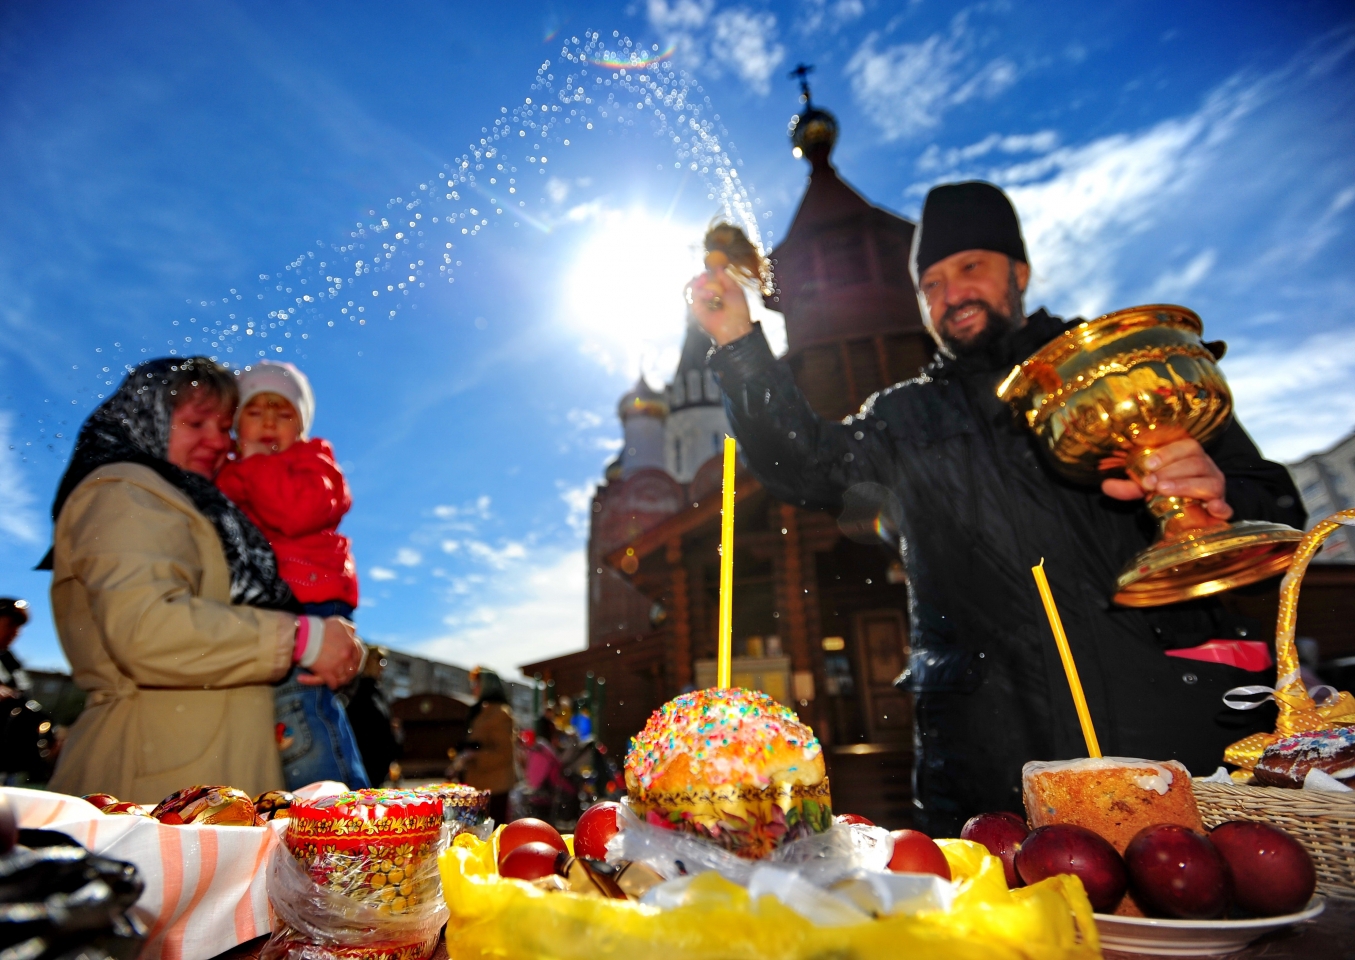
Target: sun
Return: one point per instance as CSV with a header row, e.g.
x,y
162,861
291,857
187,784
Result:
x,y
623,291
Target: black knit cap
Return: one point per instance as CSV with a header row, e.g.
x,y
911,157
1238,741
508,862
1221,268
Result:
x,y
973,215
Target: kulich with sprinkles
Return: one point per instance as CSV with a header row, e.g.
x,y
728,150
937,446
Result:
x,y
731,765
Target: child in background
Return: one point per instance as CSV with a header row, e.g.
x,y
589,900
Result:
x,y
293,490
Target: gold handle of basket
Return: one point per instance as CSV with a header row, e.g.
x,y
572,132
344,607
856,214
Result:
x,y
1298,713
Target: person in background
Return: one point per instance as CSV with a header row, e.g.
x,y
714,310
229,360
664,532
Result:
x,y
485,760
167,599
27,740
14,683
543,775
370,716
294,491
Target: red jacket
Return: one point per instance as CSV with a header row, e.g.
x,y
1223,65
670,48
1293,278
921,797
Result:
x,y
297,499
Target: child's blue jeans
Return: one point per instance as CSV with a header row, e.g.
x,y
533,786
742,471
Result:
x,y
314,735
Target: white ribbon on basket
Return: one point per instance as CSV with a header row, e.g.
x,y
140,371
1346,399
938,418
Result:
x,y
1321,693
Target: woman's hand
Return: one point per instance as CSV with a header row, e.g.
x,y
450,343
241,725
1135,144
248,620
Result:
x,y
719,305
341,654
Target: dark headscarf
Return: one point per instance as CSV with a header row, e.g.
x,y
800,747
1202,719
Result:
x,y
973,215
491,691
132,426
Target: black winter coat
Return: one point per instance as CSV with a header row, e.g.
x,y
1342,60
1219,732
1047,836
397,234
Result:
x,y
980,507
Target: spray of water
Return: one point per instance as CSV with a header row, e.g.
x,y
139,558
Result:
x,y
424,236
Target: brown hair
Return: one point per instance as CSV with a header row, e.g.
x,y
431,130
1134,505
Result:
x,y
201,378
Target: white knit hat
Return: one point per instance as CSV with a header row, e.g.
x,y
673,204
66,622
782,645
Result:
x,y
284,379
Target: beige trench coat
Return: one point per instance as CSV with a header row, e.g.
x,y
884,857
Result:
x,y
491,767
177,677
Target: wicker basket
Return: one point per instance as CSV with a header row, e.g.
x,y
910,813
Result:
x,y
1323,822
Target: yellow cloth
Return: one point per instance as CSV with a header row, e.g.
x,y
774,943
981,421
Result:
x,y
509,919
177,676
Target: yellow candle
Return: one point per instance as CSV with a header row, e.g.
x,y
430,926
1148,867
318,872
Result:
x,y
722,666
1069,667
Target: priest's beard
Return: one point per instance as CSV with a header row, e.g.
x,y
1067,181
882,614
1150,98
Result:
x,y
1001,321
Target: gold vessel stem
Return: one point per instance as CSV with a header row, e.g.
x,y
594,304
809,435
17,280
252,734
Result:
x,y
1179,516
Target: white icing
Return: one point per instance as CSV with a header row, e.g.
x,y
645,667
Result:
x,y
1158,776
1151,781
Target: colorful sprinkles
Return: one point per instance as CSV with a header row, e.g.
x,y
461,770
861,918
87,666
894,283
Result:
x,y
725,734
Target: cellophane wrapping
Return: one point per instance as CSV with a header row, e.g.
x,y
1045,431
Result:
x,y
361,886
717,919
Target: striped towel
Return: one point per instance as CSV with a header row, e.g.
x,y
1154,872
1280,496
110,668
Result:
x,y
205,886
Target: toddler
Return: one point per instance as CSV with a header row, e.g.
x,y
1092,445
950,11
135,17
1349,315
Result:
x,y
293,490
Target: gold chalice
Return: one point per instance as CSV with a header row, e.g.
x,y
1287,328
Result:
x,y
1107,393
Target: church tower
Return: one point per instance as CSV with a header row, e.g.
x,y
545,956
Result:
x,y
696,425
853,324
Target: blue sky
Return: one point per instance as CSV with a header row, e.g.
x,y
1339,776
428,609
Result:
x,y
165,168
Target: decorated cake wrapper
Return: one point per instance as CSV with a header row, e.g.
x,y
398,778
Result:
x,y
463,806
357,878
746,820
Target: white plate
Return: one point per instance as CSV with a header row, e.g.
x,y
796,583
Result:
x,y
1192,938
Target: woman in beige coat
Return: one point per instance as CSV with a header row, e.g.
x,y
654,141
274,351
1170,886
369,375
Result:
x,y
167,600
486,761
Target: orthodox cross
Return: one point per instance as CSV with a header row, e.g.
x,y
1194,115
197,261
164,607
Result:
x,y
801,73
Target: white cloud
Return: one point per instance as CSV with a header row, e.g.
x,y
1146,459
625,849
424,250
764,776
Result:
x,y
533,613
477,509
679,15
934,158
906,88
579,500
497,557
1294,397
17,517
1175,284
382,573
745,42
408,557
1080,206
820,15
737,40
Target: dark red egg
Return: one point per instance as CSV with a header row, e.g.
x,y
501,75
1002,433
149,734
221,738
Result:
x,y
1272,873
1001,834
1065,848
1176,872
529,861
594,829
528,830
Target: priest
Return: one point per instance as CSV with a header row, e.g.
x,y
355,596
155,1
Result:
x,y
980,507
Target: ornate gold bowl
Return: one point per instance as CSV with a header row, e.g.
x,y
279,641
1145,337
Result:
x,y
1102,397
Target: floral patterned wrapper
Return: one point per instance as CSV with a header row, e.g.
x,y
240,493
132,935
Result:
x,y
746,820
376,847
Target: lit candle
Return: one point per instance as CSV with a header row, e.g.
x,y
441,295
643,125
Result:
x,y
722,671
1079,699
